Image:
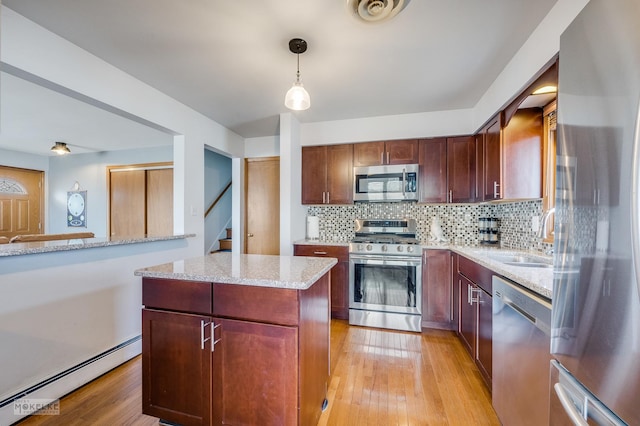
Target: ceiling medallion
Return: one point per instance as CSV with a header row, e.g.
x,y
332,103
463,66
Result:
x,y
374,11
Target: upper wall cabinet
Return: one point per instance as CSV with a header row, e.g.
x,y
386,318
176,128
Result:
x,y
447,170
491,160
385,152
327,174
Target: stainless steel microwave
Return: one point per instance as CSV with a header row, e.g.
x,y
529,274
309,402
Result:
x,y
386,183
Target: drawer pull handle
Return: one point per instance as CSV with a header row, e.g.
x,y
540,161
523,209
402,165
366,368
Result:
x,y
321,253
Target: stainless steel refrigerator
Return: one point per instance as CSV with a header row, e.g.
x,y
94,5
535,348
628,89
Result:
x,y
595,336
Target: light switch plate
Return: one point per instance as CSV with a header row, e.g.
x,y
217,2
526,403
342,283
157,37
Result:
x,y
535,223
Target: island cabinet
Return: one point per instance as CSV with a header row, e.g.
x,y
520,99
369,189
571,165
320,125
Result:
x,y
475,313
234,354
385,152
327,174
339,274
437,290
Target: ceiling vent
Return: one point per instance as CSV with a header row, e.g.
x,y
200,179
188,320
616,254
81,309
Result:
x,y
374,11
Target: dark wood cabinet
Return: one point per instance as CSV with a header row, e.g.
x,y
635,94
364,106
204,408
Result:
x,y
475,313
437,290
176,371
339,274
522,155
327,174
447,170
492,154
433,170
461,157
385,152
244,382
261,355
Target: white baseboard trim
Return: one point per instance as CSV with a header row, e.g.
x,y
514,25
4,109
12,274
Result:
x,y
69,382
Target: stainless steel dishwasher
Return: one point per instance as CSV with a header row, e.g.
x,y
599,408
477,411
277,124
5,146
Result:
x,y
521,354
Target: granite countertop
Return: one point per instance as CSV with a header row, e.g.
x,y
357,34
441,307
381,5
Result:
x,y
539,280
34,247
292,272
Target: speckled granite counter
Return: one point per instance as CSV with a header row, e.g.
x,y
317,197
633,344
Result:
x,y
19,249
539,280
291,272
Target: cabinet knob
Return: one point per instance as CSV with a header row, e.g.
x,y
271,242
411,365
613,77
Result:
x,y
249,235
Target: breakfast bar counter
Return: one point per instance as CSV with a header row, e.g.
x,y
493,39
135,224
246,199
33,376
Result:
x,y
236,339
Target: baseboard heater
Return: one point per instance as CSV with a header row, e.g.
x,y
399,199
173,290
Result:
x,y
86,371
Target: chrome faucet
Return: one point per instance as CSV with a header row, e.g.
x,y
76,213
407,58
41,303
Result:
x,y
544,222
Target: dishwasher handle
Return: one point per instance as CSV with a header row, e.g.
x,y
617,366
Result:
x,y
568,406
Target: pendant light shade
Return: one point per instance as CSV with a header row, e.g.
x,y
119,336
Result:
x,y
61,148
297,98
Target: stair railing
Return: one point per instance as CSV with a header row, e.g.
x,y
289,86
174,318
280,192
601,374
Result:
x,y
226,188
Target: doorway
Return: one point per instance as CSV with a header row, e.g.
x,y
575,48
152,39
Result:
x,y
21,201
262,201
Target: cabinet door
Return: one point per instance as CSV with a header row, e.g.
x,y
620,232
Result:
x,y
433,170
522,154
492,160
339,162
176,369
255,384
436,290
484,335
401,152
461,156
368,154
467,315
314,174
479,195
340,291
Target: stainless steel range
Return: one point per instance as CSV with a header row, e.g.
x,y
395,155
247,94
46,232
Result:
x,y
385,275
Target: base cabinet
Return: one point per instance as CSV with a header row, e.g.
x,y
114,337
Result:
x,y
339,274
475,313
437,290
261,355
176,371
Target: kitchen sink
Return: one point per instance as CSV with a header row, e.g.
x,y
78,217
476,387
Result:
x,y
521,260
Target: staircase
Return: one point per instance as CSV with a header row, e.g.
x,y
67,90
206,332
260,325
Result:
x,y
225,243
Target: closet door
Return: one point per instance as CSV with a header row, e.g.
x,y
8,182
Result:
x,y
127,203
160,202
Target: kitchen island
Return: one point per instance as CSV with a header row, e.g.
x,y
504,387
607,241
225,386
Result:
x,y
236,339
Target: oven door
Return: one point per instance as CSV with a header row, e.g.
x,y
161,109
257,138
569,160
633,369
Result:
x,y
385,283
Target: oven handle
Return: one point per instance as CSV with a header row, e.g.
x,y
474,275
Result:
x,y
386,260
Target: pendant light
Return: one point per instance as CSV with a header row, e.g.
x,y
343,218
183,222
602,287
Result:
x,y
297,97
61,148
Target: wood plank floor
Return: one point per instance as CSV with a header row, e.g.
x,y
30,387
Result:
x,y
379,377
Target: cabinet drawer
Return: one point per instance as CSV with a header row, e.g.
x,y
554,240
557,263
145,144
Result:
x,y
176,295
476,273
260,304
339,252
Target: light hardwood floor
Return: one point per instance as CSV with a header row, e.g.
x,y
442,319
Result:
x,y
378,377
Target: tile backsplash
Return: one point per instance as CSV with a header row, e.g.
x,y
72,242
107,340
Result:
x,y
459,221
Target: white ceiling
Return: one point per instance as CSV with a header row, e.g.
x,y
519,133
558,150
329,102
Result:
x,y
230,60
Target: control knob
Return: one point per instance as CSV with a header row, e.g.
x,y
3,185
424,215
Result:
x,y
400,248
410,249
369,247
384,247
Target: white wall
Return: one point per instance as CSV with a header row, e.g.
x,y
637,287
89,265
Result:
x,y
36,51
268,146
292,212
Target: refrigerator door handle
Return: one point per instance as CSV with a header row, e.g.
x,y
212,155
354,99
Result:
x,y
635,199
570,409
